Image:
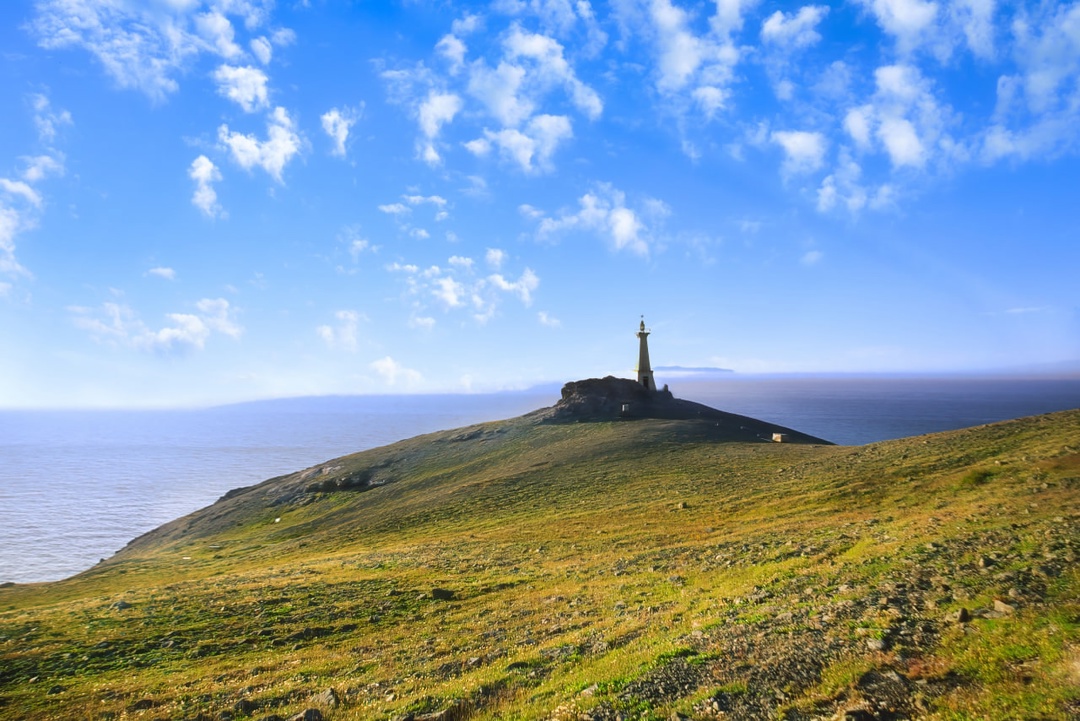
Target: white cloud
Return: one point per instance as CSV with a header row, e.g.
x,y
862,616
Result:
x,y
343,335
422,322
523,287
262,49
21,204
118,324
46,120
453,49
791,32
394,373
552,68
205,174
604,212
459,288
144,45
498,89
1038,106
843,186
448,291
976,20
394,208
21,190
495,258
901,142
162,272
904,119
532,149
12,222
804,152
436,111
273,154
911,22
244,85
811,257
39,167
548,320
216,30
695,70
337,123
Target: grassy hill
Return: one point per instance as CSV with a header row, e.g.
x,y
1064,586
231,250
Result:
x,y
613,569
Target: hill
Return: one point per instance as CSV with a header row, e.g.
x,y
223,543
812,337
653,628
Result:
x,y
590,566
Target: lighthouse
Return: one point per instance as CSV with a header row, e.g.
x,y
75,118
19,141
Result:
x,y
644,370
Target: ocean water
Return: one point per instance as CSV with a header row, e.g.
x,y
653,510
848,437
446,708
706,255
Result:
x,y
76,486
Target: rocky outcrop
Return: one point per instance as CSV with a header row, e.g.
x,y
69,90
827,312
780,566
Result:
x,y
612,399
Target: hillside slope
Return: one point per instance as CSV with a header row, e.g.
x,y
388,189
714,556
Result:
x,y
595,570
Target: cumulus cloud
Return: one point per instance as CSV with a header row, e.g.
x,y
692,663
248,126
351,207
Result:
x,y
693,69
337,123
244,85
395,374
437,110
453,50
791,32
604,212
216,30
162,272
531,148
21,203
145,46
804,152
117,324
205,174
905,120
495,258
262,49
459,287
342,335
910,22
46,120
282,144
1038,105
551,68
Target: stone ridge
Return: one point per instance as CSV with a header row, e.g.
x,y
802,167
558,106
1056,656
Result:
x,y
610,399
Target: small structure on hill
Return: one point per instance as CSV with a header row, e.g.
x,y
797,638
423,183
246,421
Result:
x,y
644,370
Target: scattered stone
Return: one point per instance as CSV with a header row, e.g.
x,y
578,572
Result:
x,y
121,605
961,616
272,717
1002,607
442,594
245,706
875,644
328,697
143,704
55,690
311,714
985,562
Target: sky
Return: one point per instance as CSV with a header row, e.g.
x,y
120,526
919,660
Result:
x,y
207,201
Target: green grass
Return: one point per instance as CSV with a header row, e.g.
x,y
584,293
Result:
x,y
585,560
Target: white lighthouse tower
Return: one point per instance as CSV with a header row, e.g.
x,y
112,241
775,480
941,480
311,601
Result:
x,y
644,370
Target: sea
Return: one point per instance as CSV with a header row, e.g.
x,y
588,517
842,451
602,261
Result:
x,y
76,486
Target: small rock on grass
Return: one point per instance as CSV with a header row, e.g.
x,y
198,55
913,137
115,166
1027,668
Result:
x,y
1002,607
328,697
442,594
311,714
961,616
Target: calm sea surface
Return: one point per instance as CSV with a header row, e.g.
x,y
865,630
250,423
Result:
x,y
75,486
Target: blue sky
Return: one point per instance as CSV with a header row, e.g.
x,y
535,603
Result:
x,y
204,201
